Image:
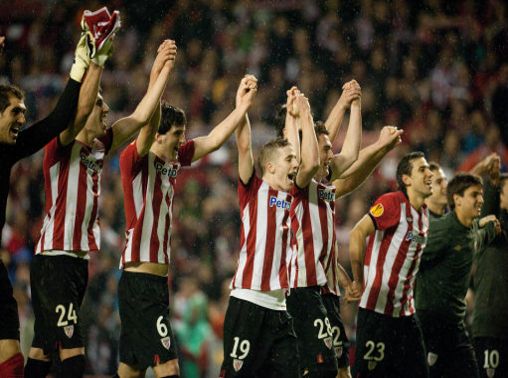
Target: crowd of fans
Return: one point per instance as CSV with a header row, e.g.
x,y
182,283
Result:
x,y
436,69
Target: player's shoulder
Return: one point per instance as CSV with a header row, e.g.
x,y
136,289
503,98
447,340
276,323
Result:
x,y
387,203
445,221
392,198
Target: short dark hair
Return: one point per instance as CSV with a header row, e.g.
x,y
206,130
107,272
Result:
x,y
433,166
320,128
405,167
459,184
267,150
171,116
7,91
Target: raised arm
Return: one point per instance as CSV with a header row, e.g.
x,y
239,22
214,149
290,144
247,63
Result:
x,y
41,132
357,239
220,133
352,142
244,140
368,160
350,91
291,125
309,151
143,116
86,102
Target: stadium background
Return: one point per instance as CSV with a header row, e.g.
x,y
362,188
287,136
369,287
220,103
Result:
x,y
437,69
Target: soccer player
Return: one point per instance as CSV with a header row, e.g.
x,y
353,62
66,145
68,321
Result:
x,y
149,169
437,203
312,216
389,339
17,143
443,278
72,171
368,159
258,332
337,277
490,325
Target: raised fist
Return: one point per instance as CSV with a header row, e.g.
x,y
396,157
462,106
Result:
x,y
246,91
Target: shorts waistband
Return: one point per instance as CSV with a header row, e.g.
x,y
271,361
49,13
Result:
x,y
144,276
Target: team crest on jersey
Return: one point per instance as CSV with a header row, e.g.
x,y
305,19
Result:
x,y
377,210
69,331
328,342
237,364
371,365
338,351
166,342
490,372
431,358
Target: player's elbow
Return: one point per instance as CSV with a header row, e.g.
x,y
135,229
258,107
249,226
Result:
x,y
309,169
349,157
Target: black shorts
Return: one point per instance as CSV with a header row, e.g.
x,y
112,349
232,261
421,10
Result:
x,y
449,349
146,337
9,320
389,347
340,340
314,331
492,356
258,342
58,284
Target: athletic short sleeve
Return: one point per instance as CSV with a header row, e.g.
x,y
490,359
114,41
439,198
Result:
x,y
186,153
130,161
385,212
245,190
54,151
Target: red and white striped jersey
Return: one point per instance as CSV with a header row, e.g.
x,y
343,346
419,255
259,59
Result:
x,y
332,273
393,255
148,184
313,234
264,237
72,182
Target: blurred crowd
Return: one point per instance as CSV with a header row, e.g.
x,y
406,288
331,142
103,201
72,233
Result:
x,y
435,68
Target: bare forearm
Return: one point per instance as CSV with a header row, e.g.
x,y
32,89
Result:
x,y
243,135
351,147
361,169
356,250
245,158
146,107
343,277
334,120
310,149
292,135
223,130
88,94
368,158
353,138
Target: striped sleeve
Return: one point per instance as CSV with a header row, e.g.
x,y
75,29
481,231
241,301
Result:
x,y
186,153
